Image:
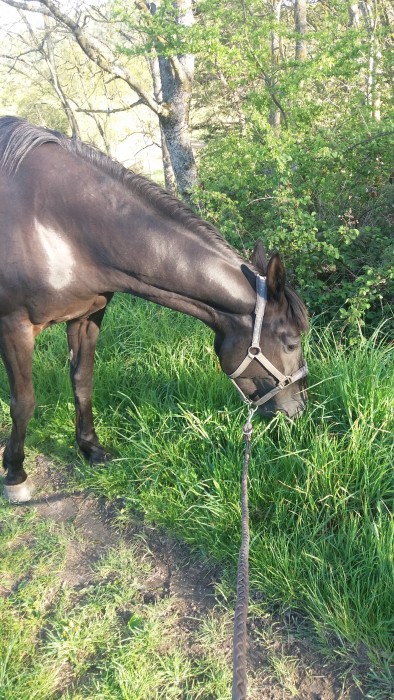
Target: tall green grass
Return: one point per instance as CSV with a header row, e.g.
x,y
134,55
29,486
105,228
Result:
x,y
321,489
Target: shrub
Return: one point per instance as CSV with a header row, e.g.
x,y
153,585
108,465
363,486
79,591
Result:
x,y
328,210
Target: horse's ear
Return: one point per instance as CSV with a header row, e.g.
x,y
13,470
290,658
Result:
x,y
276,278
259,258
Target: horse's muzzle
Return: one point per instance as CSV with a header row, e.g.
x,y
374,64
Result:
x,y
291,409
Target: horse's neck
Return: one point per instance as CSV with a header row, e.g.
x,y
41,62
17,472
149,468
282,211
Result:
x,y
171,264
134,243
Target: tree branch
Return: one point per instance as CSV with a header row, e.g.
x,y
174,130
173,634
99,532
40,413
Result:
x,y
29,6
110,110
181,73
380,135
93,50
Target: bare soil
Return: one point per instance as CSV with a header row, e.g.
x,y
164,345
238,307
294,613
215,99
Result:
x,y
281,664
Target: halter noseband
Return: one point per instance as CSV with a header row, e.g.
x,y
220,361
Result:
x,y
254,352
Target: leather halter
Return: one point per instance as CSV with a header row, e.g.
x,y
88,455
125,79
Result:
x,y
254,353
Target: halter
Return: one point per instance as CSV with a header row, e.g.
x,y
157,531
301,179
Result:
x,y
254,353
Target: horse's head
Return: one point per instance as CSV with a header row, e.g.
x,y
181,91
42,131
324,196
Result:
x,y
269,370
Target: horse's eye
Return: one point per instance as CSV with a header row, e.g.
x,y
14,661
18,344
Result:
x,y
292,346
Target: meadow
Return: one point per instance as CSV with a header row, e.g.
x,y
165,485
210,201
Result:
x,y
321,488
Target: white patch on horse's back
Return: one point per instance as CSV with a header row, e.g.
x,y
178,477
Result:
x,y
61,261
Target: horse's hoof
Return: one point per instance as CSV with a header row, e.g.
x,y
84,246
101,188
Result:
x,y
100,457
19,493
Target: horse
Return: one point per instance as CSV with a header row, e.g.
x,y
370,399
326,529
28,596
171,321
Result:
x,y
76,227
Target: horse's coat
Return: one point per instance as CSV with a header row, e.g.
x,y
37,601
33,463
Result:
x,y
61,261
75,227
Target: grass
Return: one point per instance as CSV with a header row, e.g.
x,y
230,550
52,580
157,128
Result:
x,y
100,642
321,489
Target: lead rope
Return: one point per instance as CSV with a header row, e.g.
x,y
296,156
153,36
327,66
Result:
x,y
241,607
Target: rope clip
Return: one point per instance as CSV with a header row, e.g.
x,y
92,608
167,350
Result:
x,y
248,428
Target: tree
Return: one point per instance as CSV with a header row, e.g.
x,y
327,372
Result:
x,y
47,79
98,34
300,27
317,184
46,49
172,78
275,113
371,19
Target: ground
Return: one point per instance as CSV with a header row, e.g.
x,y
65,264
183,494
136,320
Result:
x,y
282,663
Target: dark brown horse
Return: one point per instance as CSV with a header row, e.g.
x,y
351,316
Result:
x,y
75,227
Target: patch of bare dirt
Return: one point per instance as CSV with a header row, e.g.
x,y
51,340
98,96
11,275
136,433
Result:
x,y
280,666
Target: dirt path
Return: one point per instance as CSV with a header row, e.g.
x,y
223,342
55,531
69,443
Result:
x,y
280,665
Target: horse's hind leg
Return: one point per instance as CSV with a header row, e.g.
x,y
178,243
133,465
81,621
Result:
x,y
16,347
82,337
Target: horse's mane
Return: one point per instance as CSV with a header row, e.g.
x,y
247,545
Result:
x,y
18,137
297,310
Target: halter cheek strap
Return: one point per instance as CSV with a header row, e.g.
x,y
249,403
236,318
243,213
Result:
x,y
254,352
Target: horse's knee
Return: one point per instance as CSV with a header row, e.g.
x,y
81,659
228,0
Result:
x,y
22,408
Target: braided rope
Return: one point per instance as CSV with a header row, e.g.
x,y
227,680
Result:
x,y
239,691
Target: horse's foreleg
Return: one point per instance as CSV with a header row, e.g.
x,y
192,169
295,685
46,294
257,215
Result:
x,y
82,337
16,347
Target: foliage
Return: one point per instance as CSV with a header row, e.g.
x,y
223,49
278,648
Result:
x,y
317,188
307,197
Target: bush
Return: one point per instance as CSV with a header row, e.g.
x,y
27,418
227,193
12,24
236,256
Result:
x,y
328,210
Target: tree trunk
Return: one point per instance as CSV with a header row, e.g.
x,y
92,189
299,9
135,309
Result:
x,y
387,20
49,56
354,14
175,127
300,27
275,113
374,64
169,177
175,91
